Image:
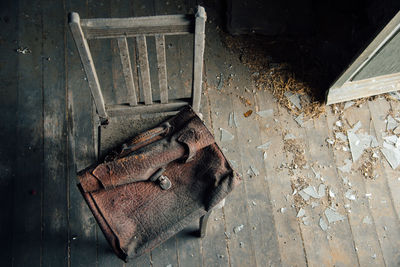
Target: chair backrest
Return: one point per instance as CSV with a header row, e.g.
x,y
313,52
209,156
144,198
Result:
x,y
140,27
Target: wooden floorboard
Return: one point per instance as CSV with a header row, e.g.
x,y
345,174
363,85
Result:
x,y
236,210
51,133
55,214
339,236
384,214
393,176
8,109
288,233
28,183
82,226
364,235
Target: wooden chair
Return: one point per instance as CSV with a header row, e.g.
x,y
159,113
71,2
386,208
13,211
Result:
x,y
139,28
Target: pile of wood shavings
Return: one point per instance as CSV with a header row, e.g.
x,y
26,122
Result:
x,y
278,78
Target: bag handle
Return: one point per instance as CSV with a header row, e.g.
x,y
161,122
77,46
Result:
x,y
145,138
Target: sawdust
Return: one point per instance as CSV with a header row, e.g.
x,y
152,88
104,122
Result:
x,y
368,164
280,77
297,150
297,184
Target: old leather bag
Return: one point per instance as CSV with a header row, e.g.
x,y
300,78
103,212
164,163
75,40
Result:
x,y
157,184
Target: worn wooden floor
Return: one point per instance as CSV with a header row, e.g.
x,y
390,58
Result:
x,y
47,134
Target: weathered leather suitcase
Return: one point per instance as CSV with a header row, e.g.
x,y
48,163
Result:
x,y
157,184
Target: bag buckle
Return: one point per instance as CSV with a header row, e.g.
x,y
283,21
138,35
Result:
x,y
161,179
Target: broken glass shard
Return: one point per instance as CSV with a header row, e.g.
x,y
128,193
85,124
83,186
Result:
x,y
360,142
294,99
323,224
301,213
391,123
265,146
237,229
333,216
221,81
392,139
235,122
330,141
225,135
230,121
254,170
304,195
299,119
350,195
392,155
331,193
310,190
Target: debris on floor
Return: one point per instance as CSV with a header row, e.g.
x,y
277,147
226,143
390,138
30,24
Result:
x,y
367,220
359,142
253,171
287,85
301,213
323,224
23,50
299,119
225,135
333,216
265,145
293,98
220,82
248,113
238,228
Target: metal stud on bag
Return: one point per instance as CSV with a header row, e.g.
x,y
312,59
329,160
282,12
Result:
x,y
162,180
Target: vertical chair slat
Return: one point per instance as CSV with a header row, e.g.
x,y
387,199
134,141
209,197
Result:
x,y
88,65
127,70
198,57
162,67
144,69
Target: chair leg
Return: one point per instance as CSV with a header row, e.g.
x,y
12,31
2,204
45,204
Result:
x,y
203,224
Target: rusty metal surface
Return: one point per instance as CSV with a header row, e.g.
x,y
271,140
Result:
x,y
135,213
